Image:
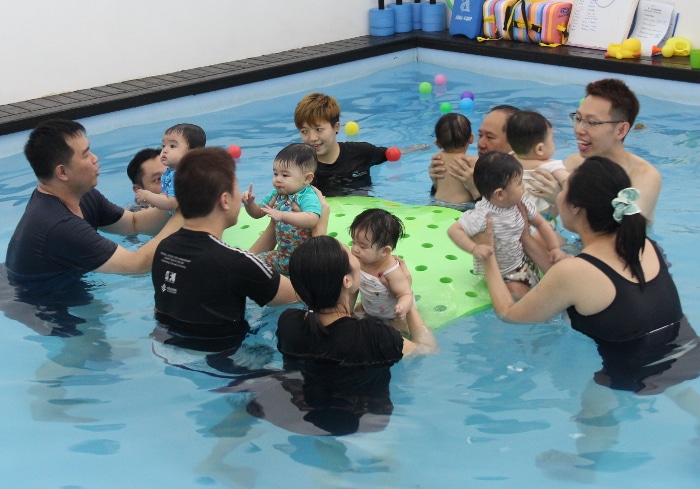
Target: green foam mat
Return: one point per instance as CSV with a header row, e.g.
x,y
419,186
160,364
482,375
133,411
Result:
x,y
443,283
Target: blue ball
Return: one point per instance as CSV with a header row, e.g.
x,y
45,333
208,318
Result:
x,y
466,105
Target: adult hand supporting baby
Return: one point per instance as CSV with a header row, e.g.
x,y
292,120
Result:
x,y
545,185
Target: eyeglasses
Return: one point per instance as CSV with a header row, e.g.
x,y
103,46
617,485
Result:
x,y
576,119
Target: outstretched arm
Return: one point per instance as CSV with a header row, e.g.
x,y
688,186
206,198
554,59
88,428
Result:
x,y
161,201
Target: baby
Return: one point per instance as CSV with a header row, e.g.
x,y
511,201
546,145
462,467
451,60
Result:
x,y
177,141
375,233
499,179
531,136
293,172
453,134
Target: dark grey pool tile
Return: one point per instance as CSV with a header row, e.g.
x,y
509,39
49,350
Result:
x,y
29,106
14,109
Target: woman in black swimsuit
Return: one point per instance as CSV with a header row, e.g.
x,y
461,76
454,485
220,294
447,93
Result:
x,y
618,291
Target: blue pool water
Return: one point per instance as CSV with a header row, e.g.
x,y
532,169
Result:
x,y
496,408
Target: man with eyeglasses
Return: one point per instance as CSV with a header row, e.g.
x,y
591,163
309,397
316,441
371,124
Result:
x,y
601,123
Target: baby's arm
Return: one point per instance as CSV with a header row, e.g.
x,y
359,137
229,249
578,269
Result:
x,y
304,220
160,201
550,238
459,236
251,207
400,286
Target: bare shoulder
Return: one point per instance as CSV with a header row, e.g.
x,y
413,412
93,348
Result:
x,y
572,162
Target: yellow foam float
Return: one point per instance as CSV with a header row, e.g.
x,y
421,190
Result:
x,y
443,283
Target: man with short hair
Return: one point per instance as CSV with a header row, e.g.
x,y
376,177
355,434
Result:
x,y
56,240
201,284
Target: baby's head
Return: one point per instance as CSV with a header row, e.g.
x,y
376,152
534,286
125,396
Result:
x,y
375,233
453,133
499,178
530,135
178,140
293,168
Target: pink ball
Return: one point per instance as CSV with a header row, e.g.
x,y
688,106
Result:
x,y
234,150
393,153
440,80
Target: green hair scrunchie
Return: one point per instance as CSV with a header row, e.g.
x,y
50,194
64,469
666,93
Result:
x,y
625,204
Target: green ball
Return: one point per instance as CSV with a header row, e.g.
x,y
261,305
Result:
x,y
445,107
425,88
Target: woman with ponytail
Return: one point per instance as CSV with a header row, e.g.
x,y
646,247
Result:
x,y
618,290
619,287
326,277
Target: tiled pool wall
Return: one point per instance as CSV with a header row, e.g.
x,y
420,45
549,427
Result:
x,y
25,115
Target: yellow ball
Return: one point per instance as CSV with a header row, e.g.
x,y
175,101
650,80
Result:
x,y
352,128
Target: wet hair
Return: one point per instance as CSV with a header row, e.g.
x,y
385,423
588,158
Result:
x,y
202,176
47,145
593,186
299,155
316,108
192,134
508,110
385,228
495,170
134,169
316,269
623,102
453,131
526,129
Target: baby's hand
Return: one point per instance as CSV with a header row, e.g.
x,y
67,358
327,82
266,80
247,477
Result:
x,y
557,254
399,312
248,197
275,214
142,195
482,252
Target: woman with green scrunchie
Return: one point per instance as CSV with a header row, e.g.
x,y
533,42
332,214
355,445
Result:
x,y
618,290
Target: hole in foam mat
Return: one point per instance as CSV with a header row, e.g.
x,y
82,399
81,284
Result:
x,y
436,211
471,293
417,298
340,215
446,280
450,257
409,218
405,235
427,245
421,268
333,234
433,226
440,308
245,226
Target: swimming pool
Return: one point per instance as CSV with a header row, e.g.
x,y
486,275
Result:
x,y
495,408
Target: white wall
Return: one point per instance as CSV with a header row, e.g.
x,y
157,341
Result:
x,y
49,47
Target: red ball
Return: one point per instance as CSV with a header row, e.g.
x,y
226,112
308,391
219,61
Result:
x,y
234,150
393,153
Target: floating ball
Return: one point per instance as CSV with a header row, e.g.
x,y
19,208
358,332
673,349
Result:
x,y
425,88
440,80
234,150
393,153
445,107
466,104
352,128
468,94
